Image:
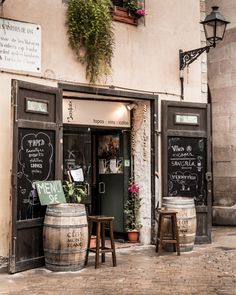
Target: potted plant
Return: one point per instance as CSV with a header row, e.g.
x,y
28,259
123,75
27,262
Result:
x,y
131,211
135,8
74,193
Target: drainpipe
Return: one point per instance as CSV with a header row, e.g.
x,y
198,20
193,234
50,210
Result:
x,y
181,76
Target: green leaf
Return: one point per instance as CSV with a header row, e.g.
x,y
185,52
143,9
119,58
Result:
x,y
90,33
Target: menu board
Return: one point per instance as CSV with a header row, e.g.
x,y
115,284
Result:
x,y
35,163
187,168
50,192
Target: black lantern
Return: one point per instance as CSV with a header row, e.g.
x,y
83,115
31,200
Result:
x,y
214,28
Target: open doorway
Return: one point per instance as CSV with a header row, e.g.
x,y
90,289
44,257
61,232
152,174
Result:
x,y
103,156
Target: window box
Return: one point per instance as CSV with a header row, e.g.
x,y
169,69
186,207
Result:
x,y
121,14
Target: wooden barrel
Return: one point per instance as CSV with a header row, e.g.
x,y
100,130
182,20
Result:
x,y
65,237
186,219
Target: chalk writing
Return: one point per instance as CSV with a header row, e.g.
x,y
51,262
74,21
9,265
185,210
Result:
x,y
35,163
35,155
50,192
187,167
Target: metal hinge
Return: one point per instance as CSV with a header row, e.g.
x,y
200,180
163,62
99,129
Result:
x,y
208,176
14,180
14,99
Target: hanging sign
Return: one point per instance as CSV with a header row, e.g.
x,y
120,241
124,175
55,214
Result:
x,y
20,46
96,113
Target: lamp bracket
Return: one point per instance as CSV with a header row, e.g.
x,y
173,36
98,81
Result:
x,y
187,57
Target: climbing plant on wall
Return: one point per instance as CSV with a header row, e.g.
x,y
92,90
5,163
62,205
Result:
x,y
90,33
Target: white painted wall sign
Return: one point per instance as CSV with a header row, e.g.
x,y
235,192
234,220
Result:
x,y
95,113
20,46
191,119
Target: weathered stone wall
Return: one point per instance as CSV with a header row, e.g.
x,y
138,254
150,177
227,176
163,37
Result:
x,y
222,82
142,163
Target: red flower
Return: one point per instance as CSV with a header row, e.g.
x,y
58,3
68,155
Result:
x,y
133,187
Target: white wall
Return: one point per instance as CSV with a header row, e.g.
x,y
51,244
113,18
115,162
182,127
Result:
x,y
146,57
5,163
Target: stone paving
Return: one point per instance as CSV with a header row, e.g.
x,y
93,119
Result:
x,y
208,269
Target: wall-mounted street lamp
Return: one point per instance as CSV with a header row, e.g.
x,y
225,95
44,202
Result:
x,y
214,28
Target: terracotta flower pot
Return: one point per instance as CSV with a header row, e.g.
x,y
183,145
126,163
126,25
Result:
x,y
133,236
93,242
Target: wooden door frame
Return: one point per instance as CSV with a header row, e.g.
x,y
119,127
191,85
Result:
x,y
201,211
19,122
123,94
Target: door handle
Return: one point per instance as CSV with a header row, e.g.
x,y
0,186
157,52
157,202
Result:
x,y
101,187
87,188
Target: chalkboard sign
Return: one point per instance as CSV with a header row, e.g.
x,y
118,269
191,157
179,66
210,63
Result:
x,y
36,162
187,168
50,192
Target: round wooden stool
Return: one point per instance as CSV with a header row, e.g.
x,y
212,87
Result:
x,y
100,221
162,235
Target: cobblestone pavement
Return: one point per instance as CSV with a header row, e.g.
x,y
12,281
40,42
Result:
x,y
208,269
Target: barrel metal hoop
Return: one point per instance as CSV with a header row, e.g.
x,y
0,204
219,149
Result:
x,y
64,266
65,214
65,251
189,235
186,218
180,206
65,226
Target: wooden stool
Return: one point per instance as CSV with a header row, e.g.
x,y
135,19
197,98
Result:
x,y
161,238
100,222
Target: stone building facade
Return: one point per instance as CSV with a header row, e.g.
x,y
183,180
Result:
x,y
221,75
145,71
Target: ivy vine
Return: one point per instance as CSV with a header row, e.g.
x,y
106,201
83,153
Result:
x,y
90,33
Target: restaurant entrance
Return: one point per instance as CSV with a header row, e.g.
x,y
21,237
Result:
x,y
99,158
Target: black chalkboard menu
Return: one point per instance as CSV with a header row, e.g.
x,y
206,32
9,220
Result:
x,y
187,168
36,162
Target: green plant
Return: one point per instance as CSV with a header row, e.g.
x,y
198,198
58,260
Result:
x,y
131,208
74,193
90,33
135,8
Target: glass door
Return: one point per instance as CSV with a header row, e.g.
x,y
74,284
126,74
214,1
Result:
x,y
110,176
77,159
